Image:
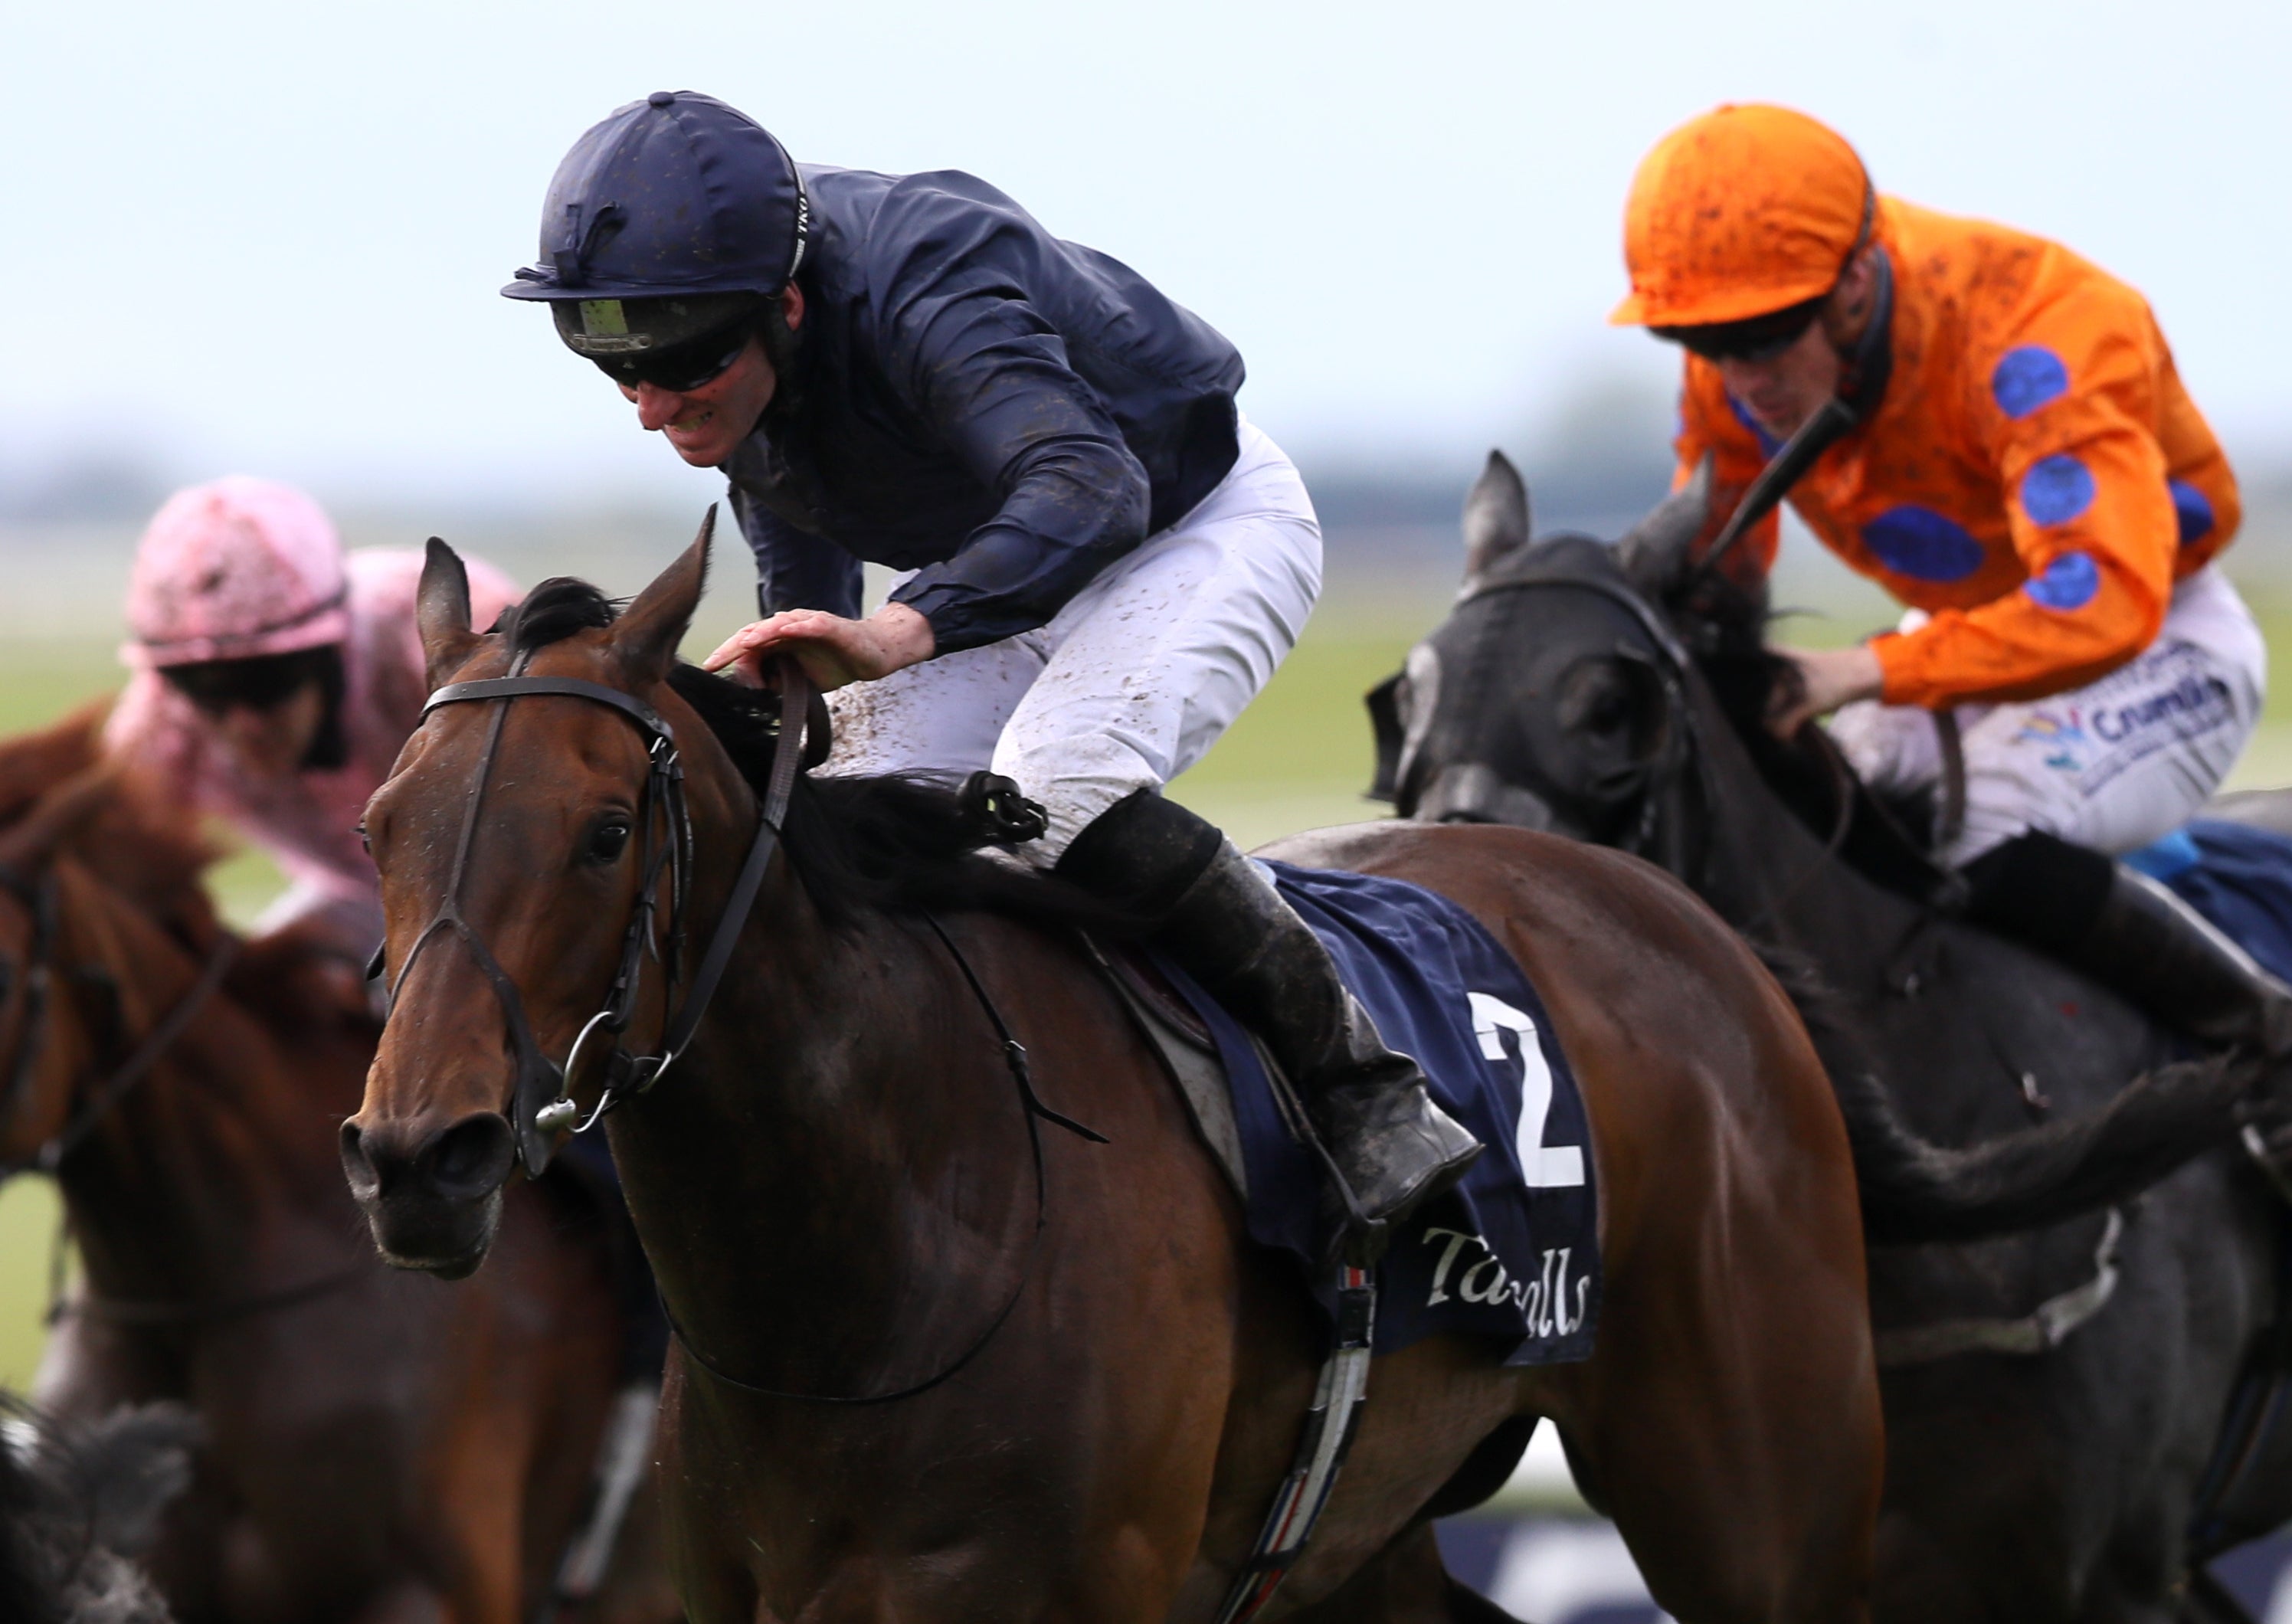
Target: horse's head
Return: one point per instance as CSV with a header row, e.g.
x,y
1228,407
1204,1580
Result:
x,y
518,842
1551,696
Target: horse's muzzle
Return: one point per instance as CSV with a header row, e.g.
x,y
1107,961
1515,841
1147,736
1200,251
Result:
x,y
432,1194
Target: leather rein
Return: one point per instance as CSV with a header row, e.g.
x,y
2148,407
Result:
x,y
539,1101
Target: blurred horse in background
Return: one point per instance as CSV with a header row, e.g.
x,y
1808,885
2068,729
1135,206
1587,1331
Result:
x,y
373,1448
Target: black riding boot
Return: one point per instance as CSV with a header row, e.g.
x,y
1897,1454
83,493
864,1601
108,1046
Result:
x,y
2136,937
1215,912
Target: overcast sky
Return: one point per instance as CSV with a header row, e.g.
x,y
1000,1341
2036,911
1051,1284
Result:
x,y
267,238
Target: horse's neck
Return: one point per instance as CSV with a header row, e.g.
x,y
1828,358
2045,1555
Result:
x,y
190,1186
1767,873
835,1187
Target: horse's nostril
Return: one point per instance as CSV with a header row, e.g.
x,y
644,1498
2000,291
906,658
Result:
x,y
358,1168
473,1156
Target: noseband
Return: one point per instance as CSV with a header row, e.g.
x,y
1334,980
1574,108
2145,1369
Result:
x,y
539,1101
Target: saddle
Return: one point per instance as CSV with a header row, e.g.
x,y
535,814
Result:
x,y
1513,1252
1187,1049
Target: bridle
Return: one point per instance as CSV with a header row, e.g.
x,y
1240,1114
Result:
x,y
1681,746
41,896
539,1101
668,844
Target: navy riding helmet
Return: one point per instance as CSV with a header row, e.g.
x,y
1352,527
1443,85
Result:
x,y
666,226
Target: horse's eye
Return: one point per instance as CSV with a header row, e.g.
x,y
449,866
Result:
x,y
366,840
1596,702
608,840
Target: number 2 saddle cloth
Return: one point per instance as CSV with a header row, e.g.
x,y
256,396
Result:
x,y
1514,1254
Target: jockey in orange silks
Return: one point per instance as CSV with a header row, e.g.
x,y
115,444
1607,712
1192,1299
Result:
x,y
2025,471
275,679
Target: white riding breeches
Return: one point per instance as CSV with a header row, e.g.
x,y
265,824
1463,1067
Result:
x,y
1133,681
2113,766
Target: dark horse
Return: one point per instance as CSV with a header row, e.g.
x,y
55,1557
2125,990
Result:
x,y
936,1389
2072,1462
375,1449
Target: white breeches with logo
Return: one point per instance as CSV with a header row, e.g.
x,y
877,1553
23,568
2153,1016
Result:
x,y
1133,681
2113,766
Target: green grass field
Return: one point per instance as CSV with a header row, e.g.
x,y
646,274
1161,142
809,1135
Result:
x,y
1300,758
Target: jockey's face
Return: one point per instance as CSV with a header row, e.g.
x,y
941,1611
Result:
x,y
707,424
1784,390
271,740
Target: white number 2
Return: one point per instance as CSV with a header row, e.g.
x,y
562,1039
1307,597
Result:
x,y
1547,1167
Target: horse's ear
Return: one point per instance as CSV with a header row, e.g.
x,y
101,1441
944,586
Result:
x,y
1384,702
441,612
646,636
1495,517
27,844
1655,551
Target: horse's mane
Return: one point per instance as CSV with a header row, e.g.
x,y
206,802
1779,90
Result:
x,y
898,843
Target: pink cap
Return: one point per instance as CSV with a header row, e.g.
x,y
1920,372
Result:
x,y
233,569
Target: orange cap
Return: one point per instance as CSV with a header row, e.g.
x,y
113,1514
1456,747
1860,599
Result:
x,y
1743,212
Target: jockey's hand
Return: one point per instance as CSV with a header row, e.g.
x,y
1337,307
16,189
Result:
x,y
1828,678
831,649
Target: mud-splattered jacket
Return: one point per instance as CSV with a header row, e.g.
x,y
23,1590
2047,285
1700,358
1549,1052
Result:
x,y
974,399
2034,475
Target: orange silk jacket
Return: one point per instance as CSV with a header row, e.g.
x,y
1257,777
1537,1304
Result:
x,y
2035,476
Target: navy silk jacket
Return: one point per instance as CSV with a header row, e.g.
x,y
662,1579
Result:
x,y
1006,413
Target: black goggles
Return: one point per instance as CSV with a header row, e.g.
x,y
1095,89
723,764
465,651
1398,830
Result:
x,y
263,682
692,364
1756,338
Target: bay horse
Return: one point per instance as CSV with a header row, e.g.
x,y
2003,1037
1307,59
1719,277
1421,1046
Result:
x,y
374,1447
2044,1469
913,1381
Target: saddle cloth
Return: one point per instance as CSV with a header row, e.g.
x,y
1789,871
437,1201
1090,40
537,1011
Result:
x,y
2237,875
1513,1253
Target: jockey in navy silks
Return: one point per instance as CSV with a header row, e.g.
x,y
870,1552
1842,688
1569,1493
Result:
x,y
1104,561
